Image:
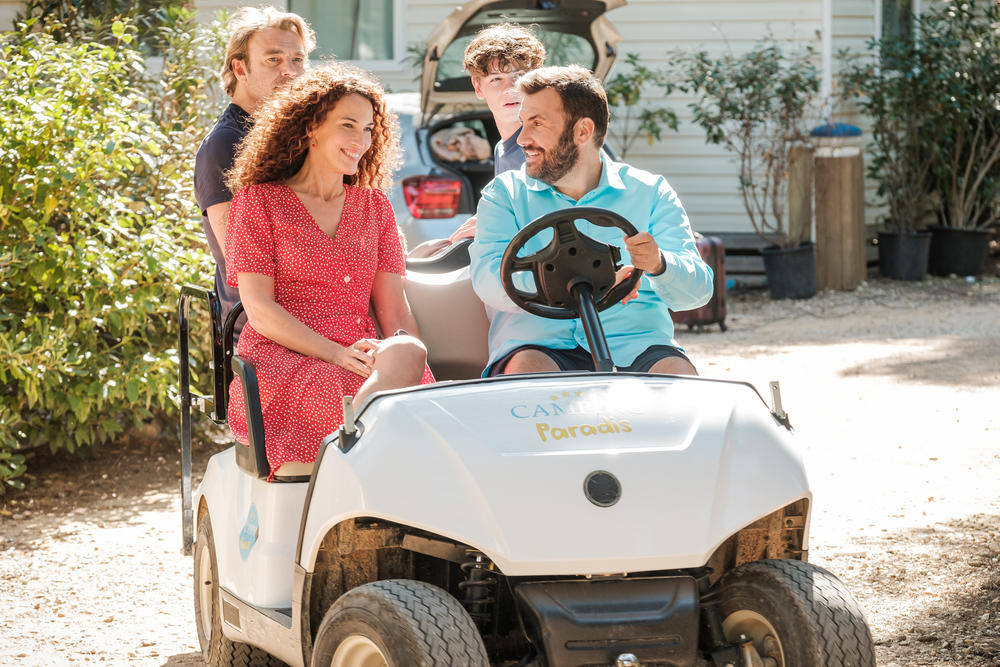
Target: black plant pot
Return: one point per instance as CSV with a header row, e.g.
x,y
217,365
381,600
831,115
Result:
x,y
903,255
791,272
958,251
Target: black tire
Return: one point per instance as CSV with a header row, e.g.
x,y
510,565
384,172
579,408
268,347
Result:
x,y
411,623
816,620
216,649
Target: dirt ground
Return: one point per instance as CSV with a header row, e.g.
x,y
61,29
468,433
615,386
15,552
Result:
x,y
893,389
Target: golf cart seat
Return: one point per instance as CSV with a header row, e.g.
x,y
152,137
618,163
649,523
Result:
x,y
226,364
452,319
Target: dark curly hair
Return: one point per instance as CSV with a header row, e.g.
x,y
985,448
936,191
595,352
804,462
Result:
x,y
276,147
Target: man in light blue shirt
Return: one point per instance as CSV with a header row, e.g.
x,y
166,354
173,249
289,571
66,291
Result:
x,y
564,119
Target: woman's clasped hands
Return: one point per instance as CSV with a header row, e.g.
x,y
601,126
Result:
x,y
358,358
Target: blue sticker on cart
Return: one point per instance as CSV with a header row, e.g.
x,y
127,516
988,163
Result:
x,y
248,536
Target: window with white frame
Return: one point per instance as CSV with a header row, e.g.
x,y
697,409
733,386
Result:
x,y
363,31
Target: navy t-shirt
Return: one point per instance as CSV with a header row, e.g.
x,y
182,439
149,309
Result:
x,y
507,154
215,157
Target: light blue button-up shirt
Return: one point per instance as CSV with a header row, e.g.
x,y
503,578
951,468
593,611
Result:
x,y
513,199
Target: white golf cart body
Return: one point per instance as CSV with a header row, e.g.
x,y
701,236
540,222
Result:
x,y
500,466
557,519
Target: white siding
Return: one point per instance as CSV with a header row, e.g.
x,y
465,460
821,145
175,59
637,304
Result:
x,y
853,27
8,8
704,176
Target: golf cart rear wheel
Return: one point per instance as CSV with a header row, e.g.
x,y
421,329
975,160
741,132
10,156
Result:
x,y
398,623
796,615
216,649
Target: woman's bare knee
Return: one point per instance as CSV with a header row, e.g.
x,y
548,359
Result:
x,y
400,360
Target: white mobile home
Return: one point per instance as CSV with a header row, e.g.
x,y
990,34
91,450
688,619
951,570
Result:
x,y
379,32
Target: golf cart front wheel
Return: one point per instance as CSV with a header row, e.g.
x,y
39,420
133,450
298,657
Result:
x,y
397,623
794,614
216,649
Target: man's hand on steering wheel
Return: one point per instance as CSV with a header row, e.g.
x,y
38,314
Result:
x,y
570,265
623,274
645,253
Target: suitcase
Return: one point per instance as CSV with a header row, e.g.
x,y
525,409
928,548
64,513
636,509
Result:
x,y
714,254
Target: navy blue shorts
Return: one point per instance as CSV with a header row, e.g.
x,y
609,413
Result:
x,y
579,359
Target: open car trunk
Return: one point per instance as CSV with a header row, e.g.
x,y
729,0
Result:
x,y
573,32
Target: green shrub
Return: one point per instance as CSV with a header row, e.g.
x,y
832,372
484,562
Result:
x,y
98,227
888,85
634,117
755,105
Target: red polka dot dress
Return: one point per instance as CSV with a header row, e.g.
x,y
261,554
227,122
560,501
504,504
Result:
x,y
325,283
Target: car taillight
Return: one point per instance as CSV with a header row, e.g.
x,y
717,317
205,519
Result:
x,y
430,197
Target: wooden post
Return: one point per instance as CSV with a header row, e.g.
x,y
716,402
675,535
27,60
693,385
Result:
x,y
840,217
800,185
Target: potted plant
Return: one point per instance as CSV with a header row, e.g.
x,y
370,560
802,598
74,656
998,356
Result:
x,y
755,106
960,41
889,86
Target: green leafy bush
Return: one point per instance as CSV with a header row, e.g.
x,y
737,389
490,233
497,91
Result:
x,y
889,86
97,229
960,46
755,105
634,117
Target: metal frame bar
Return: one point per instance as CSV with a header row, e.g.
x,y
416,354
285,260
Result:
x,y
209,405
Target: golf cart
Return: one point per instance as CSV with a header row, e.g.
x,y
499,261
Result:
x,y
546,520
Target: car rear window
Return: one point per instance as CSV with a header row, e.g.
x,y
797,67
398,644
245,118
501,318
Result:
x,y
560,49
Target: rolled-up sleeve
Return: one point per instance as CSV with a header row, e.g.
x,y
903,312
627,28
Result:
x,y
496,225
686,281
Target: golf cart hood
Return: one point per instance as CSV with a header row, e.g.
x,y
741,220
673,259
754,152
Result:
x,y
502,465
445,86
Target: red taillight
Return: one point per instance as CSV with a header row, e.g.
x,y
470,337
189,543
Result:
x,y
430,197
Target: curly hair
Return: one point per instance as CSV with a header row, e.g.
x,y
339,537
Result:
x,y
507,45
246,23
276,147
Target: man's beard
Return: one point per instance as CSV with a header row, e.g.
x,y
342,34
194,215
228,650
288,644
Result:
x,y
557,162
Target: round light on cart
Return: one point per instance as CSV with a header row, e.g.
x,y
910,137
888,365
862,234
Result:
x,y
602,488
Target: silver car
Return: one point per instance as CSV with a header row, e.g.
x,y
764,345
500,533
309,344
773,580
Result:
x,y
431,196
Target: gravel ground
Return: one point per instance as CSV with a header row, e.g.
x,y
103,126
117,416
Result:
x,y
893,390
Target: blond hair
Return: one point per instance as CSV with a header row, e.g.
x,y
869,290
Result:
x,y
508,46
246,22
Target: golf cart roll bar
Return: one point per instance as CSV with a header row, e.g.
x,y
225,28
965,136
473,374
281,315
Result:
x,y
225,365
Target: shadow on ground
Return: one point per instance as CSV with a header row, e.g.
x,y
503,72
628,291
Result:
x,y
964,362
935,592
110,485
185,660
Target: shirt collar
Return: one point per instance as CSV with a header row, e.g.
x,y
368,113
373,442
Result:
x,y
610,178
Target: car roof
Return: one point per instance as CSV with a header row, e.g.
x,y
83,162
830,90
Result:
x,y
574,31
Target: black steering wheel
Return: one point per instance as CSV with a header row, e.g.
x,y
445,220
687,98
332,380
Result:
x,y
569,260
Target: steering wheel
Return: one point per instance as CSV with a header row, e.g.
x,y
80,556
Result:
x,y
569,260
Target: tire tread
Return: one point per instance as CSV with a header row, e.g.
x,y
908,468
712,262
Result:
x,y
841,631
427,625
443,626
219,650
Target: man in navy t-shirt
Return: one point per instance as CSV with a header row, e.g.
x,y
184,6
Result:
x,y
494,60
266,49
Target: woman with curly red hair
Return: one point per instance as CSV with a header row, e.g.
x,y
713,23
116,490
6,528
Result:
x,y
311,242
